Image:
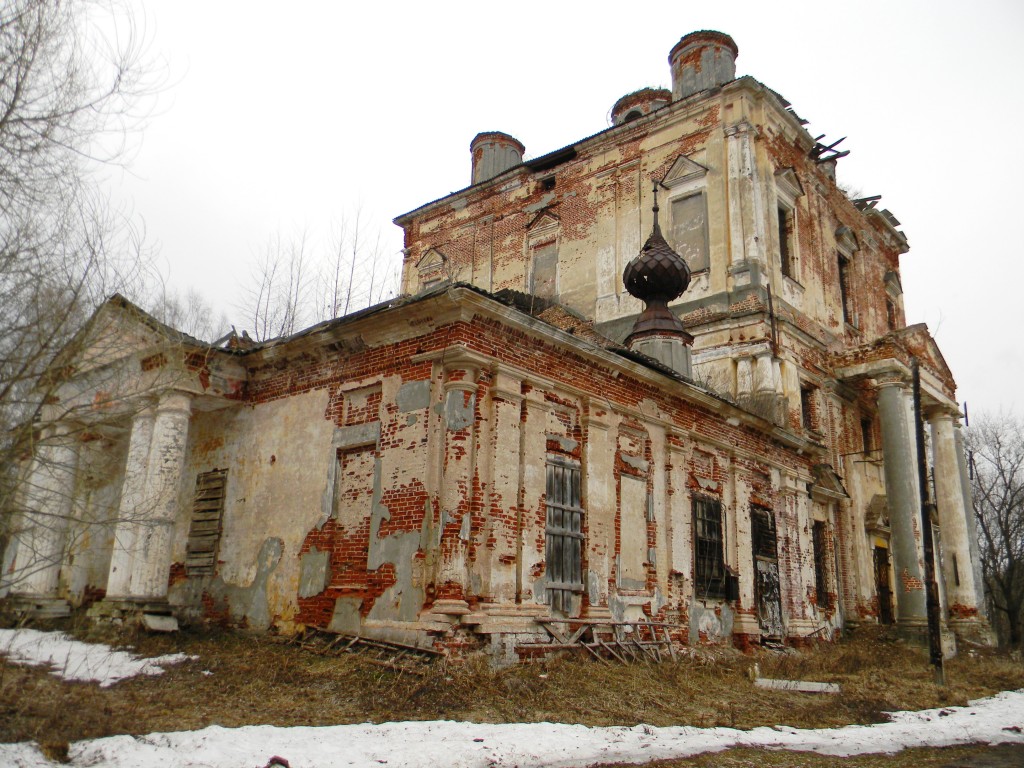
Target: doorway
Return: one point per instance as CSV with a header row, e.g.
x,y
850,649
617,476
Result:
x,y
767,593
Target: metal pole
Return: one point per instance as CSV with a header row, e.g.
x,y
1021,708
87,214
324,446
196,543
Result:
x,y
931,587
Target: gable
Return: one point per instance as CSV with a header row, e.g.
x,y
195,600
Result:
x,y
683,169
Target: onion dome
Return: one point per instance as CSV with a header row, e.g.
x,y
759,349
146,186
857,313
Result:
x,y
656,276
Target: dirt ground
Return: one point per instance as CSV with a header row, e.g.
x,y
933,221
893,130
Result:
x,y
240,679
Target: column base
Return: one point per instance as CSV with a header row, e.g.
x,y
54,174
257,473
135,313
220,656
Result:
x,y
154,614
973,630
40,607
915,632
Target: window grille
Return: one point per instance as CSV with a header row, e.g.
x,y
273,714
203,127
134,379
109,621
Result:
x,y
564,529
709,560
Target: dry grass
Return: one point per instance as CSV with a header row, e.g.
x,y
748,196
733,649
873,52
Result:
x,y
253,679
1003,756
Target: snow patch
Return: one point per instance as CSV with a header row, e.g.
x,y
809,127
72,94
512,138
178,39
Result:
x,y
71,659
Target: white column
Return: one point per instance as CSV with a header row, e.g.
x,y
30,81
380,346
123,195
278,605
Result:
x,y
903,497
956,520
744,376
49,495
764,378
158,505
746,211
130,514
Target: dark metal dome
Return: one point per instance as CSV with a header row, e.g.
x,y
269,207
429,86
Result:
x,y
658,273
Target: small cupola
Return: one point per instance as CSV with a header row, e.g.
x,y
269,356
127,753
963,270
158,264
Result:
x,y
493,153
639,104
657,276
702,60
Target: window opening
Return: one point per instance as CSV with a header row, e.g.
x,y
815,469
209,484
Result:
x,y
786,240
204,527
767,590
806,400
709,568
883,585
547,183
844,290
819,542
865,435
564,534
890,314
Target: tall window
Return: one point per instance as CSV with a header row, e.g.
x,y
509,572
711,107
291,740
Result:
x,y
564,529
709,559
821,585
807,407
865,435
844,290
786,222
787,191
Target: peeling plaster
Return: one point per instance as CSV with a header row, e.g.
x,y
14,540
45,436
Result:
x,y
314,572
413,396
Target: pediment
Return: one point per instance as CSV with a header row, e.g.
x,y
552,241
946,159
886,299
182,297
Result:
x,y
432,259
827,483
117,329
543,221
682,170
787,182
893,286
920,343
846,240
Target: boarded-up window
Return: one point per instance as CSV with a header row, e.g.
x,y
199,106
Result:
x,y
633,532
709,558
353,488
205,526
545,269
688,234
564,529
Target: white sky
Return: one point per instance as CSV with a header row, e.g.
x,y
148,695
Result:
x,y
427,744
282,118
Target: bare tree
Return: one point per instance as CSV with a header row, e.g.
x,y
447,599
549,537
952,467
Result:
x,y
278,295
72,79
293,284
996,445
188,312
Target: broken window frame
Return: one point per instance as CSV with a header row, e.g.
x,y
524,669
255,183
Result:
x,y
709,573
787,190
563,529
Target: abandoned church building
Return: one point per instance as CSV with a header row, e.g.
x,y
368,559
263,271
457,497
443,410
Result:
x,y
660,374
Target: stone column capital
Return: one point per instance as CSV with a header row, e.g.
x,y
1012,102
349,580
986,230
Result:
x,y
891,379
172,401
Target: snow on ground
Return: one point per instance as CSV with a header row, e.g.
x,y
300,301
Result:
x,y
464,745
469,745
73,660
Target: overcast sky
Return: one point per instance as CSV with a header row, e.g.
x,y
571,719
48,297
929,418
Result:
x,y
283,118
